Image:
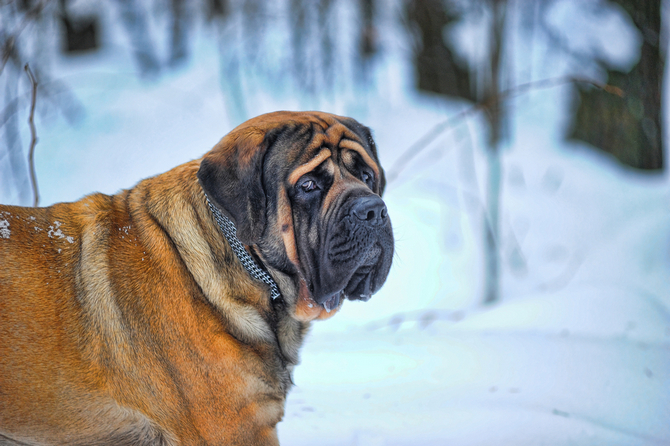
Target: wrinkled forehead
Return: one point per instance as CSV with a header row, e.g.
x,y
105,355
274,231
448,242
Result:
x,y
310,143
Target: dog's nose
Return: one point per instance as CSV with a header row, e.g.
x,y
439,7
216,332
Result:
x,y
370,210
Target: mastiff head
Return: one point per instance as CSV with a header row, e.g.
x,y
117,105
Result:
x,y
304,191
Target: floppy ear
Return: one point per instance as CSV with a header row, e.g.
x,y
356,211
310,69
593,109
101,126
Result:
x,y
231,176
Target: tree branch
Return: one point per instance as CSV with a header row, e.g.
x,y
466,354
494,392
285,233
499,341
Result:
x,y
33,135
416,148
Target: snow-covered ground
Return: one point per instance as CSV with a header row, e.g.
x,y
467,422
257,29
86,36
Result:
x,y
579,367
578,350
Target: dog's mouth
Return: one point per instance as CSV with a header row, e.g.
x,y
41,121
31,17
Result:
x,y
333,301
361,284
352,263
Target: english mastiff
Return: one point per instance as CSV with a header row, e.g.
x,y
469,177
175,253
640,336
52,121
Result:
x,y
172,313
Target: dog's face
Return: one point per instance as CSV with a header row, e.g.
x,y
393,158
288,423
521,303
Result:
x,y
304,190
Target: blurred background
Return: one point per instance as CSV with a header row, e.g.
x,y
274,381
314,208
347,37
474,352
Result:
x,y
525,148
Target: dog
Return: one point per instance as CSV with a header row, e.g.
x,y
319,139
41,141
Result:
x,y
172,313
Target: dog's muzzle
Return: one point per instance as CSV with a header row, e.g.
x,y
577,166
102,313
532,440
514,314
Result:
x,y
359,251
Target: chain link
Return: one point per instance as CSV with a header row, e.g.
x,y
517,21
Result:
x,y
230,233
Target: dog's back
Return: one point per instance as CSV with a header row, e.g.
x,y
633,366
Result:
x,y
104,329
49,390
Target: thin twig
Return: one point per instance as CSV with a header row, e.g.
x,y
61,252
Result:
x,y
448,124
33,135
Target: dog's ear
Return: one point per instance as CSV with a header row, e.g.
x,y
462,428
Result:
x,y
231,176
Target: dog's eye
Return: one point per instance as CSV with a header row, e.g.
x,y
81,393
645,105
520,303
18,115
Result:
x,y
367,178
309,185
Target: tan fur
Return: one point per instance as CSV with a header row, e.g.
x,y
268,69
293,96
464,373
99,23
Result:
x,y
75,339
309,166
128,320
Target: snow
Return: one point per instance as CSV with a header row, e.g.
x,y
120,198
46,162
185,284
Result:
x,y
444,385
578,350
55,232
4,229
577,367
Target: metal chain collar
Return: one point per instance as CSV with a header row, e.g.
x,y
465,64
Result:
x,y
230,233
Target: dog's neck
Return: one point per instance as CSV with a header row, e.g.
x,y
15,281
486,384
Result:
x,y
288,331
230,234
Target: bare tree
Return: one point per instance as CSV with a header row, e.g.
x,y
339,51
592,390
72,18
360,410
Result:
x,y
604,117
629,127
495,116
33,135
440,71
15,20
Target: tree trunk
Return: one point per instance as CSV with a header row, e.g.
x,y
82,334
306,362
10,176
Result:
x,y
494,115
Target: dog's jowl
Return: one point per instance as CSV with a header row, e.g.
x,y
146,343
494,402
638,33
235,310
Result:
x,y
172,313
